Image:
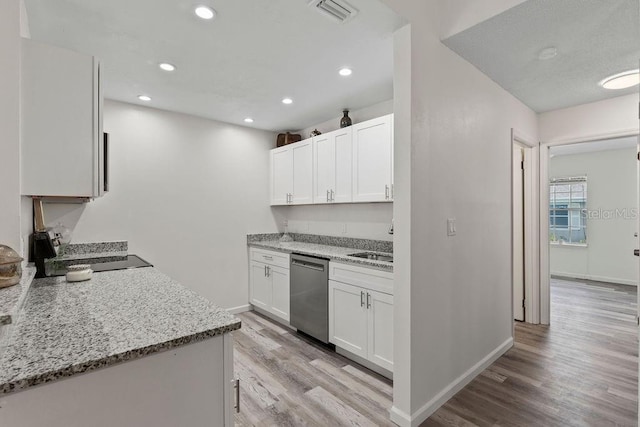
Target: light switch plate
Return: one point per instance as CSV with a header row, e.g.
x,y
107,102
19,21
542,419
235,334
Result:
x,y
451,227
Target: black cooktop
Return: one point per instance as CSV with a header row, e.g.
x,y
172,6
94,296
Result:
x,y
132,261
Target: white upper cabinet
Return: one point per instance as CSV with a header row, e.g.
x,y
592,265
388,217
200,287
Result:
x,y
332,167
292,174
373,160
63,151
302,172
281,175
353,164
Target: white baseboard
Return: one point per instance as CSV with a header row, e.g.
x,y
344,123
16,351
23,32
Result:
x,y
605,279
239,309
405,420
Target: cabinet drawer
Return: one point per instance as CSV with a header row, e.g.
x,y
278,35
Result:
x,y
369,278
279,259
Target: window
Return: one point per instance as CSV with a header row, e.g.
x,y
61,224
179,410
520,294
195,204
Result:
x,y
568,210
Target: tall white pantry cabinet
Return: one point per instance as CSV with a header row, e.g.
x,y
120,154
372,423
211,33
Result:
x,y
63,146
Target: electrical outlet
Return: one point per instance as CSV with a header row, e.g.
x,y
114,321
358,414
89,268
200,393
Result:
x,y
451,227
285,223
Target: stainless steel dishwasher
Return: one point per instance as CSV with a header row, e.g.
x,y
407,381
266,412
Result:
x,y
309,292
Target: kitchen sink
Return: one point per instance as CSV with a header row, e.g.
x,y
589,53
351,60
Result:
x,y
373,256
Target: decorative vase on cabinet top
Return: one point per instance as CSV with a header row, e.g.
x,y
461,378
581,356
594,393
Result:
x,y
345,121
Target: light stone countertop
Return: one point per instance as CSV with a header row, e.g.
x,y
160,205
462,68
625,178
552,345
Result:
x,y
333,253
12,297
69,328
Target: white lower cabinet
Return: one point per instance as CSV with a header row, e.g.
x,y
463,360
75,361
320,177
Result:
x,y
192,385
269,282
361,313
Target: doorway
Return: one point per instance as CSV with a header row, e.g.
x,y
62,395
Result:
x,y
588,212
524,157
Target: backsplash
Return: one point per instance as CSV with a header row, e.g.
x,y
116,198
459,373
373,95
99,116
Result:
x,y
91,248
346,242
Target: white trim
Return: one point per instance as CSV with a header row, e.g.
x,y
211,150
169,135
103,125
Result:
x,y
517,135
545,276
399,417
239,309
531,224
617,281
404,420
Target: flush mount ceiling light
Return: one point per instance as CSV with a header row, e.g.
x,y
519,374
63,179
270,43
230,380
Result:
x,y
621,80
345,71
205,12
144,98
166,66
287,101
248,120
547,53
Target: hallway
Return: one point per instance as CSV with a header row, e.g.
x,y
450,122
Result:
x,y
582,370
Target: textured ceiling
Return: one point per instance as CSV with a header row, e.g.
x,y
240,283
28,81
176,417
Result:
x,y
594,39
239,65
593,146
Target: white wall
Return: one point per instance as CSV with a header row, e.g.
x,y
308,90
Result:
x,y
459,156
10,124
611,180
363,220
590,121
458,15
376,110
185,192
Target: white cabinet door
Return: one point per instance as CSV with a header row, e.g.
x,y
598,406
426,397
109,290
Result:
x,y
380,329
281,175
302,153
332,167
372,160
260,286
342,189
279,291
61,123
348,318
324,167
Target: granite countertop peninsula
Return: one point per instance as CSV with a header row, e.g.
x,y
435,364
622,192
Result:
x,y
12,297
334,248
69,328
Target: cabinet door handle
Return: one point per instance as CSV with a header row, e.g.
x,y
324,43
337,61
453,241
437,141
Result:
x,y
361,298
268,271
333,199
386,192
368,300
265,271
270,258
237,387
328,197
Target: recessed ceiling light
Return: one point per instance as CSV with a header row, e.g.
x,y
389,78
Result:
x,y
248,120
345,71
205,12
287,101
166,66
622,80
547,53
144,98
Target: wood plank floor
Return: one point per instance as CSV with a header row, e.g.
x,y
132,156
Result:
x,y
581,371
288,380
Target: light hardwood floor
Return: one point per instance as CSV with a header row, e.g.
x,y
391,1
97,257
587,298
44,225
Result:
x,y
581,371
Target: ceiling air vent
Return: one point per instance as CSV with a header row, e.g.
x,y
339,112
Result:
x,y
338,10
